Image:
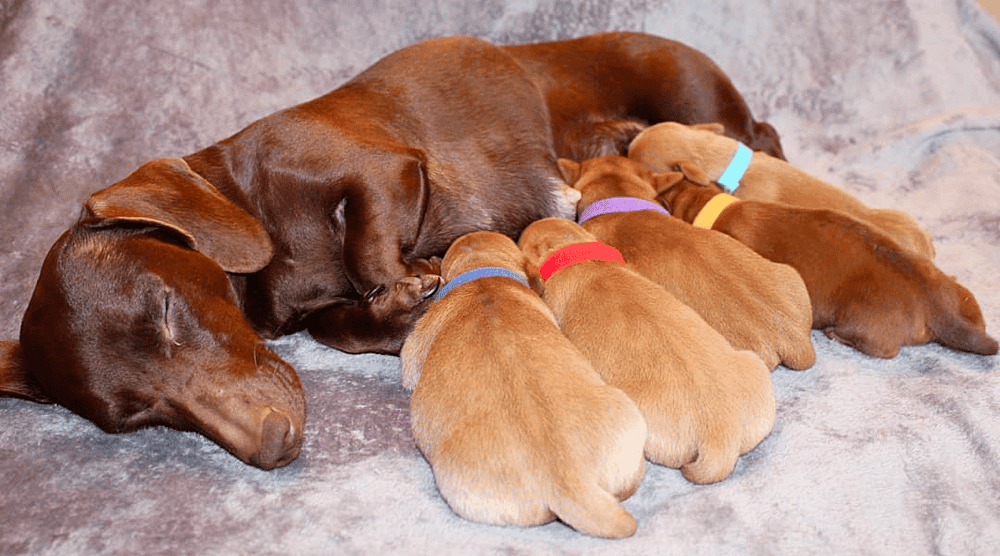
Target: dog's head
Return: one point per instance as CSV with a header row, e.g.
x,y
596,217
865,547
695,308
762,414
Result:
x,y
607,176
135,323
664,145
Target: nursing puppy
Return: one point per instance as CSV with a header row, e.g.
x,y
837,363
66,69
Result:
x,y
661,147
517,425
754,303
866,290
704,402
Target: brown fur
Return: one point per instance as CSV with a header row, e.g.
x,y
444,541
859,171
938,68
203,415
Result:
x,y
134,322
704,402
516,424
663,146
754,303
866,290
602,89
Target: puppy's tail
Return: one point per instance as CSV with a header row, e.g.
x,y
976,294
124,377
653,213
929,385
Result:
x,y
958,322
593,511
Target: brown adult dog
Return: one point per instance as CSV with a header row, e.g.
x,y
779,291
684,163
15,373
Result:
x,y
516,424
323,216
754,303
134,322
866,290
661,147
602,89
704,402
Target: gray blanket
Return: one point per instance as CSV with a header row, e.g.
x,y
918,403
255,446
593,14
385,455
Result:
x,y
895,100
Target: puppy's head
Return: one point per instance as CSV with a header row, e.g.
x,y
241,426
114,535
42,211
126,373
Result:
x,y
607,176
542,238
662,146
134,322
479,249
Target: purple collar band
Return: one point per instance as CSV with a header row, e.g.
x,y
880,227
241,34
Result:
x,y
618,204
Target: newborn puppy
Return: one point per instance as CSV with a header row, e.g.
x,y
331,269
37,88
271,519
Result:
x,y
515,422
704,402
866,290
758,176
754,303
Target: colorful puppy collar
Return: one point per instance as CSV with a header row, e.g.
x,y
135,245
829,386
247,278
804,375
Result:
x,y
730,179
579,252
712,209
618,204
475,274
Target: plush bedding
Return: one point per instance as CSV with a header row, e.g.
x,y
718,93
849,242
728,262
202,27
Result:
x,y
897,101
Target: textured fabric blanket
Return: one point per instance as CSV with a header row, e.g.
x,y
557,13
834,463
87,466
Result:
x,y
897,101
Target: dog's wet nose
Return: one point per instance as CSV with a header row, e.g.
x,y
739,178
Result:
x,y
281,440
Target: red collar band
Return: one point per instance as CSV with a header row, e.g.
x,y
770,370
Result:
x,y
590,251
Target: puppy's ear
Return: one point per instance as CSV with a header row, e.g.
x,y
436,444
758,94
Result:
x,y
166,192
15,380
570,170
534,277
694,173
666,180
714,127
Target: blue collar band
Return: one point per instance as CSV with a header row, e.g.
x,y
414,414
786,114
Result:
x,y
618,204
730,179
477,273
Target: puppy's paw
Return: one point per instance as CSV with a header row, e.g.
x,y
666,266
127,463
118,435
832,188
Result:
x,y
431,266
409,292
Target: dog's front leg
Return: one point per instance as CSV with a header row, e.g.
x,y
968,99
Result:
x,y
379,324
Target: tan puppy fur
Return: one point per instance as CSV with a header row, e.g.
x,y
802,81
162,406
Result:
x,y
704,402
516,424
661,147
866,290
754,303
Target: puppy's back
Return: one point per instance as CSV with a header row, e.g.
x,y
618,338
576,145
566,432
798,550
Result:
x,y
516,424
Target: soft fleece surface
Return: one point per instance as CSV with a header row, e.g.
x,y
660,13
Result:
x,y
895,100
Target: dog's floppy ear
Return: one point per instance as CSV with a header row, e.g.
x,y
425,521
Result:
x,y
664,181
714,127
166,192
570,170
15,380
694,173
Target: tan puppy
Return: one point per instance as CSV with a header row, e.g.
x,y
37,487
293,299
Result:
x,y
661,147
704,402
866,290
754,303
517,425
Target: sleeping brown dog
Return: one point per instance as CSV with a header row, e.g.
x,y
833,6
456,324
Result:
x,y
754,303
603,89
134,322
518,427
866,290
324,216
704,402
759,177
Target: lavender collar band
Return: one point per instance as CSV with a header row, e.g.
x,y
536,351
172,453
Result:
x,y
730,179
618,204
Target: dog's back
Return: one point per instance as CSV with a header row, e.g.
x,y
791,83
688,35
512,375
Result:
x,y
755,304
516,424
664,146
704,402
